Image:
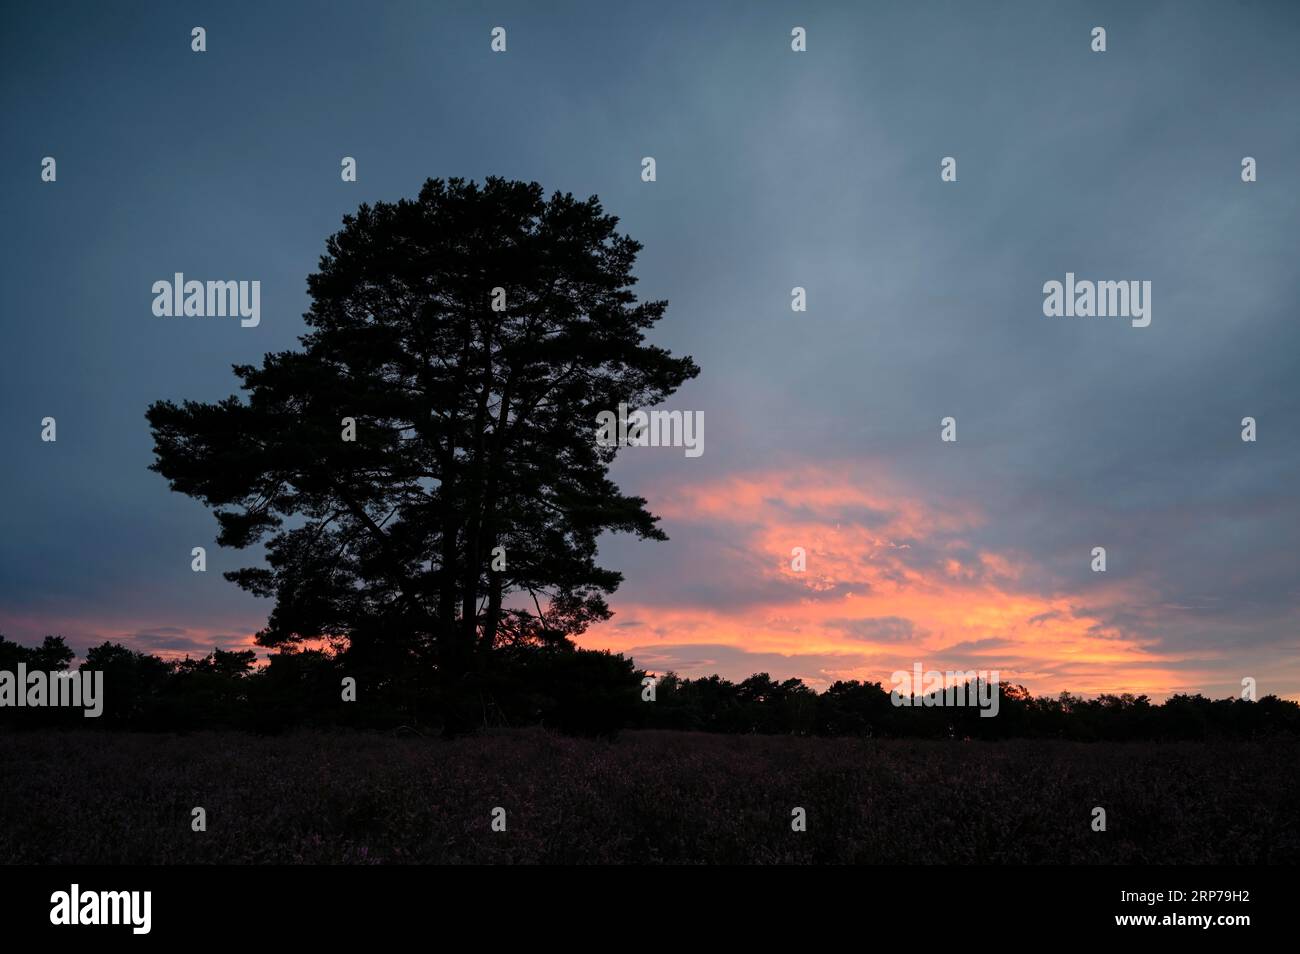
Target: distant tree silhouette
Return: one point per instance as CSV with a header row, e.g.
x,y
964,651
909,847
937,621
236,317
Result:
x,y
136,681
474,429
52,655
589,692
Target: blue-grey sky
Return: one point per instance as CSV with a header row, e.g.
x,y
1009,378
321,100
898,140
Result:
x,y
775,169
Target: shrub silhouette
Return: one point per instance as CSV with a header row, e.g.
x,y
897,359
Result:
x,y
531,682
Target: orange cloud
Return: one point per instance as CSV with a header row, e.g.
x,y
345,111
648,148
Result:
x,y
891,579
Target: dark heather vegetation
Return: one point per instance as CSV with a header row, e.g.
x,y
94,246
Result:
x,y
586,692
82,797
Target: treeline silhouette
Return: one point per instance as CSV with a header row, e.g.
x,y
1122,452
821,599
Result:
x,y
589,692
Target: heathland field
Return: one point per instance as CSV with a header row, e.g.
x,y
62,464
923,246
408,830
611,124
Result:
x,y
88,797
